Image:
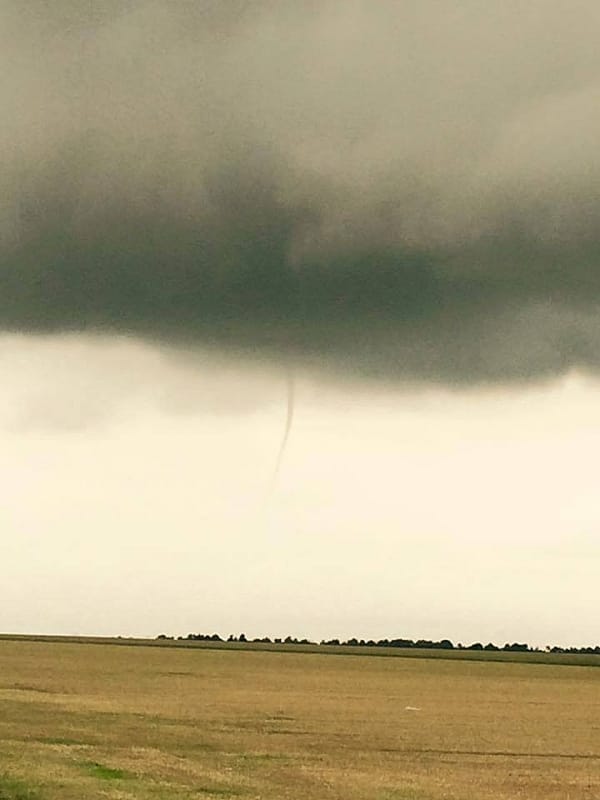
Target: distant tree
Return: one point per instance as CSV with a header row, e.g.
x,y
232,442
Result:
x,y
424,644
443,644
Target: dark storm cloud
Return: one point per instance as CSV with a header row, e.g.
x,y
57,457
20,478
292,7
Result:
x,y
386,188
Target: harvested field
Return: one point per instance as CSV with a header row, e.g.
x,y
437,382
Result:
x,y
107,721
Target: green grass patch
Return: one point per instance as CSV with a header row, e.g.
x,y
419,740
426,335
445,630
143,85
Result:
x,y
213,790
106,773
12,789
60,740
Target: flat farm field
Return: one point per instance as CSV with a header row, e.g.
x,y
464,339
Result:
x,y
82,721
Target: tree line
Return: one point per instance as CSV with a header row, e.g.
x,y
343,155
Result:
x,y
424,644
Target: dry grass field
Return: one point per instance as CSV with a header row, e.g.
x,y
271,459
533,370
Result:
x,y
102,721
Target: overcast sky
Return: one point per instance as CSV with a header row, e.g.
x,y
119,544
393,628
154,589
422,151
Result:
x,y
397,202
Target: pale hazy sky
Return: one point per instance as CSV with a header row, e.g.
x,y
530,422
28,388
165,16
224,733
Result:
x,y
136,500
399,200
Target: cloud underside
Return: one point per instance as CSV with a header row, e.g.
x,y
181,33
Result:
x,y
392,190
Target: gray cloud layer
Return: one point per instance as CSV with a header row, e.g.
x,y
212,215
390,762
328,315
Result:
x,y
392,188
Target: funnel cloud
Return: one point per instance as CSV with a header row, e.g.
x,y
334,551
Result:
x,y
394,190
